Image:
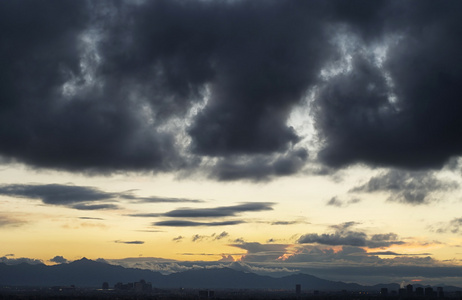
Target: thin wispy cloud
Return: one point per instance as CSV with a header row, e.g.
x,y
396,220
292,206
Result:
x,y
79,197
184,223
221,211
8,221
129,242
90,218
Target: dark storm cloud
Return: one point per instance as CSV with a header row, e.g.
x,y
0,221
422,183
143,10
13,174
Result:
x,y
183,223
259,168
420,127
100,86
129,242
108,77
344,236
59,260
58,113
413,188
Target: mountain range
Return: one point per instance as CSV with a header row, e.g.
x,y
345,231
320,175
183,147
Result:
x,y
89,273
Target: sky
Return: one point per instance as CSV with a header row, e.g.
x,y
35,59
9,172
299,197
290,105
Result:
x,y
274,137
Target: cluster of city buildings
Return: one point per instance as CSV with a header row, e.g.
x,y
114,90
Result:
x,y
141,286
418,292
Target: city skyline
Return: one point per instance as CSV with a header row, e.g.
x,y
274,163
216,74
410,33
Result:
x,y
275,137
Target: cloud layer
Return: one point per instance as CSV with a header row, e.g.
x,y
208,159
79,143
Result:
x,y
211,85
408,187
344,236
79,197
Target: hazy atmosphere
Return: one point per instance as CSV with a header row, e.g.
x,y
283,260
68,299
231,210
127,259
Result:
x,y
274,137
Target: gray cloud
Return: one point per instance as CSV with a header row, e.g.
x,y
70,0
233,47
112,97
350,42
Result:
x,y
392,253
178,238
79,197
158,199
215,212
129,242
59,260
257,252
56,194
407,187
148,215
90,218
349,238
7,221
197,237
94,206
343,226
310,258
221,211
220,236
344,236
19,260
335,201
285,222
183,223
453,226
213,236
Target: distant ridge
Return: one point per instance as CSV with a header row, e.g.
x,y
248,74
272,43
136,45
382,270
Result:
x,y
89,273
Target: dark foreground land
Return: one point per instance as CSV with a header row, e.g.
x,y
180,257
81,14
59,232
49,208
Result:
x,y
72,293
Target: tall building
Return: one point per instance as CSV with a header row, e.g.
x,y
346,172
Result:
x,y
419,291
409,289
440,292
429,292
298,289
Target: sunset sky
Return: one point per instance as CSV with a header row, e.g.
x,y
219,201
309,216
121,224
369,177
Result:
x,y
275,137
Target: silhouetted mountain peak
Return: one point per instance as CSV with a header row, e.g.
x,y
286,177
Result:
x,y
85,263
83,259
